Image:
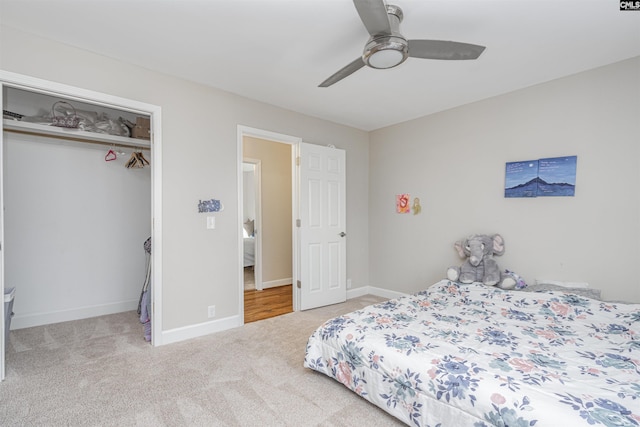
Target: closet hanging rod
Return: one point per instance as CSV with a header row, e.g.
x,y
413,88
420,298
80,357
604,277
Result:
x,y
75,135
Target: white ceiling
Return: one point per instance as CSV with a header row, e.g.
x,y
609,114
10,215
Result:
x,y
278,51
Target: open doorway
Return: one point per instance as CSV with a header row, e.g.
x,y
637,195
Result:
x,y
267,227
318,205
251,223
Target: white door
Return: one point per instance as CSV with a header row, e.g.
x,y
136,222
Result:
x,y
322,230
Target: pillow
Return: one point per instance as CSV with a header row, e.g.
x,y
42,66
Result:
x,y
583,292
248,226
244,233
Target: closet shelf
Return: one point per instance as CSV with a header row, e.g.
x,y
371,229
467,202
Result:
x,y
72,134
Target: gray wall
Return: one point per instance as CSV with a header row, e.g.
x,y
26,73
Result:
x,y
200,266
454,162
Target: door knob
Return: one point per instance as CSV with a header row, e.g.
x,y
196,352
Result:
x,y
342,234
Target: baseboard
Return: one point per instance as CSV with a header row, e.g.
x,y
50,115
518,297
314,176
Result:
x,y
276,283
219,325
172,335
38,319
372,290
199,330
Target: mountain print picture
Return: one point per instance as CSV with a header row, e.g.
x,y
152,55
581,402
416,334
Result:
x,y
541,178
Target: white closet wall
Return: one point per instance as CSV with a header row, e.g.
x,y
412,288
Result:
x,y
74,229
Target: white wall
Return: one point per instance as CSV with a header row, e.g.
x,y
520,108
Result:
x,y
455,162
74,229
249,195
200,266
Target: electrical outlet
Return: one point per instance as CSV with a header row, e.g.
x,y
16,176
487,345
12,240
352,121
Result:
x,y
212,311
348,283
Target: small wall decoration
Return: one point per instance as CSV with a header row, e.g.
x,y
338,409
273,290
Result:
x,y
554,176
402,203
416,206
212,205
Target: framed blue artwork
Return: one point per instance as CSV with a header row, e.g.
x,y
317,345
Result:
x,y
555,176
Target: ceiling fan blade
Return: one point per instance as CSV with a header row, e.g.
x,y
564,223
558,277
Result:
x,y
344,72
440,49
373,14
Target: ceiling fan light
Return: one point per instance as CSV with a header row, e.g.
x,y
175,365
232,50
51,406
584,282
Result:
x,y
386,58
386,53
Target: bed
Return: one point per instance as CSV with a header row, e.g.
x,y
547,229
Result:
x,y
469,355
249,251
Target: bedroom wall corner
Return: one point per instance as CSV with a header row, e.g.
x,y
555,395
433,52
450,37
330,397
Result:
x,y
199,159
455,161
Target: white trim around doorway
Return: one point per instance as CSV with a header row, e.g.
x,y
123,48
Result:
x,y
276,137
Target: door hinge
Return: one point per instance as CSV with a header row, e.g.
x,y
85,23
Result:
x,y
298,223
299,284
298,161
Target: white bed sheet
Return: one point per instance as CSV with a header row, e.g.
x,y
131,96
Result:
x,y
249,251
471,355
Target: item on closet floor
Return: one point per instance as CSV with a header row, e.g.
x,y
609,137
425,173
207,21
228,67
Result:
x,y
67,119
9,294
137,160
144,305
145,315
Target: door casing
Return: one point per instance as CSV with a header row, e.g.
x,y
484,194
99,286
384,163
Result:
x,y
246,131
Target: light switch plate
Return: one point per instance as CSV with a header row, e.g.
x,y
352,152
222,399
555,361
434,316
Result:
x,y
211,222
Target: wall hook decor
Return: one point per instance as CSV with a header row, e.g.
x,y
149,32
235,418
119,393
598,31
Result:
x,y
416,206
402,203
212,205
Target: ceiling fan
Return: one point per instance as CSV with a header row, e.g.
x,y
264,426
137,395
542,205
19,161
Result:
x,y
387,48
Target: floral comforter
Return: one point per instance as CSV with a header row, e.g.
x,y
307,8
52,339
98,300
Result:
x,y
469,355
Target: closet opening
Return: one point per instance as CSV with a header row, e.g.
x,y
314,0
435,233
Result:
x,y
79,206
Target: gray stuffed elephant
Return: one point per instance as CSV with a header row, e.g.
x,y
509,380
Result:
x,y
479,265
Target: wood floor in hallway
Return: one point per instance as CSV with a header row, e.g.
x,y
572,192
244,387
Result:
x,y
271,302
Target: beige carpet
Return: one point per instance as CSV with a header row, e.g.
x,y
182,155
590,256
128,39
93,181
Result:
x,y
100,372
